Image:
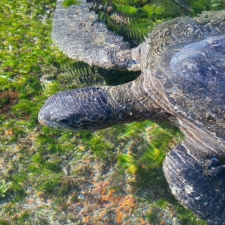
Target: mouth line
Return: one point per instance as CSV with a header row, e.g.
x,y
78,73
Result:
x,y
41,120
52,124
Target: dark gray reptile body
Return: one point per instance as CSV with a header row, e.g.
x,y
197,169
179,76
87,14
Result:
x,y
183,80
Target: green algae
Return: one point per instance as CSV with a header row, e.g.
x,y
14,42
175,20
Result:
x,y
140,17
68,3
4,188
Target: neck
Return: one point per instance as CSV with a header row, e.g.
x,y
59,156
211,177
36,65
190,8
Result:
x,y
130,103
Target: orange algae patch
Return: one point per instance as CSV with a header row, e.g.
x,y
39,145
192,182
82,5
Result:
x,y
119,217
143,222
85,220
109,199
8,132
126,205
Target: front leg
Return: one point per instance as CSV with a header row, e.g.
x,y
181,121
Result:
x,y
198,184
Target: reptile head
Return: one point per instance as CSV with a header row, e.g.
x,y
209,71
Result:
x,y
85,109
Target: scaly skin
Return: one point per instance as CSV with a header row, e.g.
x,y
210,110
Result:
x,y
90,109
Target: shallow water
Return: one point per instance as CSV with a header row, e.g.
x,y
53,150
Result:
x,y
113,176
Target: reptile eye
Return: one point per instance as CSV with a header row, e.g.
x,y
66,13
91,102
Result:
x,y
64,121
